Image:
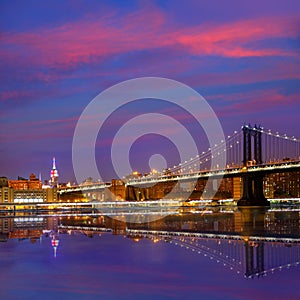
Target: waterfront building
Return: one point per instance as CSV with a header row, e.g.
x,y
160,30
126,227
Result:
x,y
5,191
10,195
217,188
23,191
34,196
276,185
3,181
24,184
282,185
6,194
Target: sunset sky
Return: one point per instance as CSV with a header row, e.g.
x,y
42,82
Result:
x,y
243,57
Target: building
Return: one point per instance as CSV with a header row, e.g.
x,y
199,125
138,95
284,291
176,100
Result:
x,y
3,181
24,184
6,195
282,185
9,195
5,192
53,175
216,189
34,196
133,175
23,191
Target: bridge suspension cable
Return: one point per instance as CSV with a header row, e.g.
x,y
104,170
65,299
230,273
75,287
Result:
x,y
232,147
275,147
278,147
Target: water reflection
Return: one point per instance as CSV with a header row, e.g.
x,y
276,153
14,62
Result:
x,y
251,242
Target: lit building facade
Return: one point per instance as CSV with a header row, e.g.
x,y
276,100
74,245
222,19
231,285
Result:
x,y
6,195
24,184
9,195
282,185
53,174
24,191
34,196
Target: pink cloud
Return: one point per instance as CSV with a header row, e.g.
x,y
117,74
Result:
x,y
233,39
88,40
84,41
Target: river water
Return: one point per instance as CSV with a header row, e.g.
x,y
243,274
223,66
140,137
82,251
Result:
x,y
211,253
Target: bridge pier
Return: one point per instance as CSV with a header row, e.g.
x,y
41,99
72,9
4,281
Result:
x,y
247,188
253,193
136,193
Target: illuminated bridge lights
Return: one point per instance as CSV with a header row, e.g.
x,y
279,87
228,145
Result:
x,y
280,166
218,173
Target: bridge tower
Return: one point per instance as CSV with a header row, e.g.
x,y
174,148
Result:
x,y
253,194
249,133
254,255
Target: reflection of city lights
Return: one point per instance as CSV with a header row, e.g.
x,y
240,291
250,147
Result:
x,y
54,242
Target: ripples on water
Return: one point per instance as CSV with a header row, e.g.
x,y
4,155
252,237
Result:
x,y
213,253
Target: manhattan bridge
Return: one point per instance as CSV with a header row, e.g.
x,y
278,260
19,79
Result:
x,y
250,153
253,241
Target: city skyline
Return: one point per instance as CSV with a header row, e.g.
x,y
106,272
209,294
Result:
x,y
56,58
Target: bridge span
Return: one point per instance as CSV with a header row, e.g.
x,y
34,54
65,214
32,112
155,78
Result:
x,y
251,154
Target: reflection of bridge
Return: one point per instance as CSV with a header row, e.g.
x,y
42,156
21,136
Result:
x,y
250,154
252,242
255,256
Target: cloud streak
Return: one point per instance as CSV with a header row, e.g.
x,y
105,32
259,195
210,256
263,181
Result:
x,y
87,41
245,61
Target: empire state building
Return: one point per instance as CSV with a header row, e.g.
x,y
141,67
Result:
x,y
54,175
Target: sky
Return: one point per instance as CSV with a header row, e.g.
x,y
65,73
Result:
x,y
243,57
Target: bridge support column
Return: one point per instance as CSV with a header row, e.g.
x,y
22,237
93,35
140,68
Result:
x,y
253,193
259,188
136,193
247,188
254,258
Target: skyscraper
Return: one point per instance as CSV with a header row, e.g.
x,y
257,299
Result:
x,y
53,175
